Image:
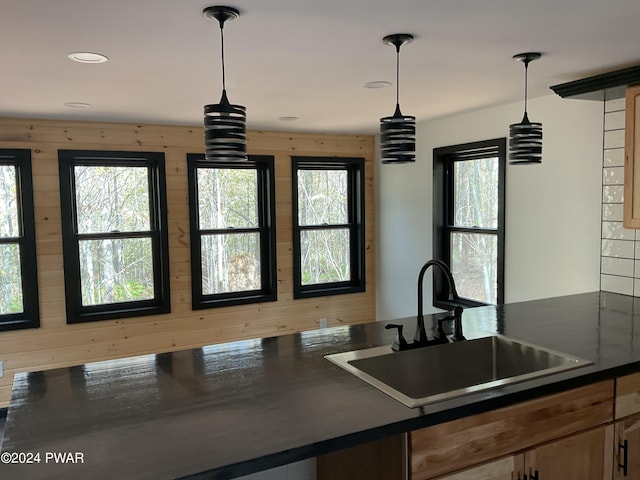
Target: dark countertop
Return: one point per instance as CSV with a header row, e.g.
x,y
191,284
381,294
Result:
x,y
228,410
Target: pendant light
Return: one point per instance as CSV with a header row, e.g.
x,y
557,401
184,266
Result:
x,y
225,124
525,138
398,133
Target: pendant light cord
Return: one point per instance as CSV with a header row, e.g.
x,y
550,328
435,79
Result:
x,y
397,74
526,82
222,54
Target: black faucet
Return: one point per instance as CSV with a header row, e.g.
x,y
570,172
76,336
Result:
x,y
420,338
421,334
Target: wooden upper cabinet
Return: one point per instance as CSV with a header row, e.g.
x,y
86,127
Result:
x,y
632,159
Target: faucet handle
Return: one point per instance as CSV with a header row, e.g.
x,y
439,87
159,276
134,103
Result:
x,y
400,343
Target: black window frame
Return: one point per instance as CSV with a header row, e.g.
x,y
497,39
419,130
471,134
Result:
x,y
268,292
355,168
30,315
161,303
443,203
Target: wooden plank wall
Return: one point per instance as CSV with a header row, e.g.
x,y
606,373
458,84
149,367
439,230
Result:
x,y
57,344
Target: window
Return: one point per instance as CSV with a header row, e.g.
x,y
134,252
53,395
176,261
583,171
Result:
x,y
114,231
18,275
232,221
328,226
468,216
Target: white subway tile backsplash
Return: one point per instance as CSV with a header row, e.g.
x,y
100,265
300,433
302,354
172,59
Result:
x,y
615,231
610,283
614,139
614,157
613,105
613,194
618,248
612,212
614,120
613,176
623,267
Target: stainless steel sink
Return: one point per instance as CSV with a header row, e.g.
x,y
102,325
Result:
x,y
441,372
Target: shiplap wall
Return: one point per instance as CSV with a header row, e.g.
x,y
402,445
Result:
x,y
57,344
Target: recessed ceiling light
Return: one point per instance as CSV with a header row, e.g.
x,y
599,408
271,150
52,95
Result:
x,y
288,119
377,84
87,57
77,105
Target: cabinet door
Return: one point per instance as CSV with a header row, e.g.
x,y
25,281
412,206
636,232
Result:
x,y
627,438
506,468
632,159
585,456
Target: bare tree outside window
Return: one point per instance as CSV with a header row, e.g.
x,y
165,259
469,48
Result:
x,y
19,306
474,255
232,221
10,279
328,229
227,201
114,234
10,270
323,201
112,199
469,220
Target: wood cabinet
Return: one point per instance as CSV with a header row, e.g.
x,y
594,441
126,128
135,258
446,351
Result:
x,y
452,446
506,468
584,456
632,159
626,463
583,434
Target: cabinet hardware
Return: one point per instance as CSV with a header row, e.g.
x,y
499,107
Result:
x,y
624,447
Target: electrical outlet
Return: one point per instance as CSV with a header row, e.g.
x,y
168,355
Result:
x,y
323,323
1,369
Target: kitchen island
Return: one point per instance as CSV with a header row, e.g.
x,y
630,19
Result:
x,y
228,410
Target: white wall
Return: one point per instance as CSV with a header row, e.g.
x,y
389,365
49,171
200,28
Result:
x,y
552,209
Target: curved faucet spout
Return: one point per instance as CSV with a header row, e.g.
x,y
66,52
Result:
x,y
421,334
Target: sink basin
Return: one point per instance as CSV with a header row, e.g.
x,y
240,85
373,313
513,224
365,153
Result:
x,y
442,372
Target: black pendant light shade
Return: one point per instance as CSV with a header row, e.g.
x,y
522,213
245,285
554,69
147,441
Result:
x,y
525,138
225,124
398,133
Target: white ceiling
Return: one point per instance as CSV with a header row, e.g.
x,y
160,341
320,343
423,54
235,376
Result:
x,y
303,58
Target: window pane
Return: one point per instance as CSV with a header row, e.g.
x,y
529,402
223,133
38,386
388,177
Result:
x,y
230,263
322,197
474,265
325,256
116,270
227,198
112,199
10,279
476,193
9,226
